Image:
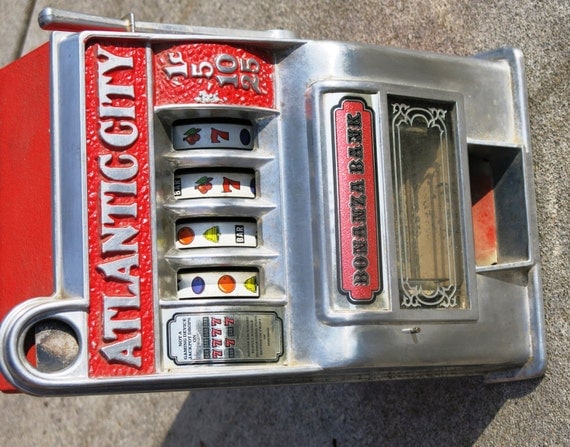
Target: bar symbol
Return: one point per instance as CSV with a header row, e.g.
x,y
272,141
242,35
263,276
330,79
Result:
x,y
199,233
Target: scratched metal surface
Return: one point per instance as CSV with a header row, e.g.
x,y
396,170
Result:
x,y
460,411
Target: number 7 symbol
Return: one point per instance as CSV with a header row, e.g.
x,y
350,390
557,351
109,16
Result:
x,y
216,134
228,184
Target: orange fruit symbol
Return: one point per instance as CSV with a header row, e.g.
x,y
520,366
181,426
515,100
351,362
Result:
x,y
185,235
227,283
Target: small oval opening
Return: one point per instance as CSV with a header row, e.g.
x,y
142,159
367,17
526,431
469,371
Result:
x,y
51,345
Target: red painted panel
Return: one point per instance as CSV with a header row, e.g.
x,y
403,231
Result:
x,y
359,244
211,73
483,211
121,334
26,259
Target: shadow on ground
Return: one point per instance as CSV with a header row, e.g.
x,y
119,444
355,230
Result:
x,y
419,412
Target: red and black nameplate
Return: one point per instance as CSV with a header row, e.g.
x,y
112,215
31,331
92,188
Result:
x,y
357,200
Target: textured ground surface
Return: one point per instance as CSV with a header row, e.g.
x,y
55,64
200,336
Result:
x,y
455,412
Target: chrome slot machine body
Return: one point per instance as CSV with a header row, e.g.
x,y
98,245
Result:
x,y
253,208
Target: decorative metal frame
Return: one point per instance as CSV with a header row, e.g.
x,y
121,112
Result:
x,y
415,292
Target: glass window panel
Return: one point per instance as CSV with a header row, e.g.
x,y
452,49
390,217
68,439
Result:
x,y
426,202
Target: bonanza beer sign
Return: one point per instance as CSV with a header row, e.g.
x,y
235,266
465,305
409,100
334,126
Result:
x,y
358,234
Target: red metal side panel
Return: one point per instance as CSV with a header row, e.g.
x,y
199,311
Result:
x,y
26,233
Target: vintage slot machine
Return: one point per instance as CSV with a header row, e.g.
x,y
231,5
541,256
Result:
x,y
190,207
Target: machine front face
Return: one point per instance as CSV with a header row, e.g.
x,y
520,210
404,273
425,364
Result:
x,y
246,211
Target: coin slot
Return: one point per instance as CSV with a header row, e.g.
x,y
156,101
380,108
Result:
x,y
212,134
51,345
218,283
198,184
204,233
498,208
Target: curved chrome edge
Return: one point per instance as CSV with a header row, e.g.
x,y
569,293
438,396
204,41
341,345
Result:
x,y
13,329
537,364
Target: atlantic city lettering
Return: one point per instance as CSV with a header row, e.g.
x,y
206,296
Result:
x,y
118,169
